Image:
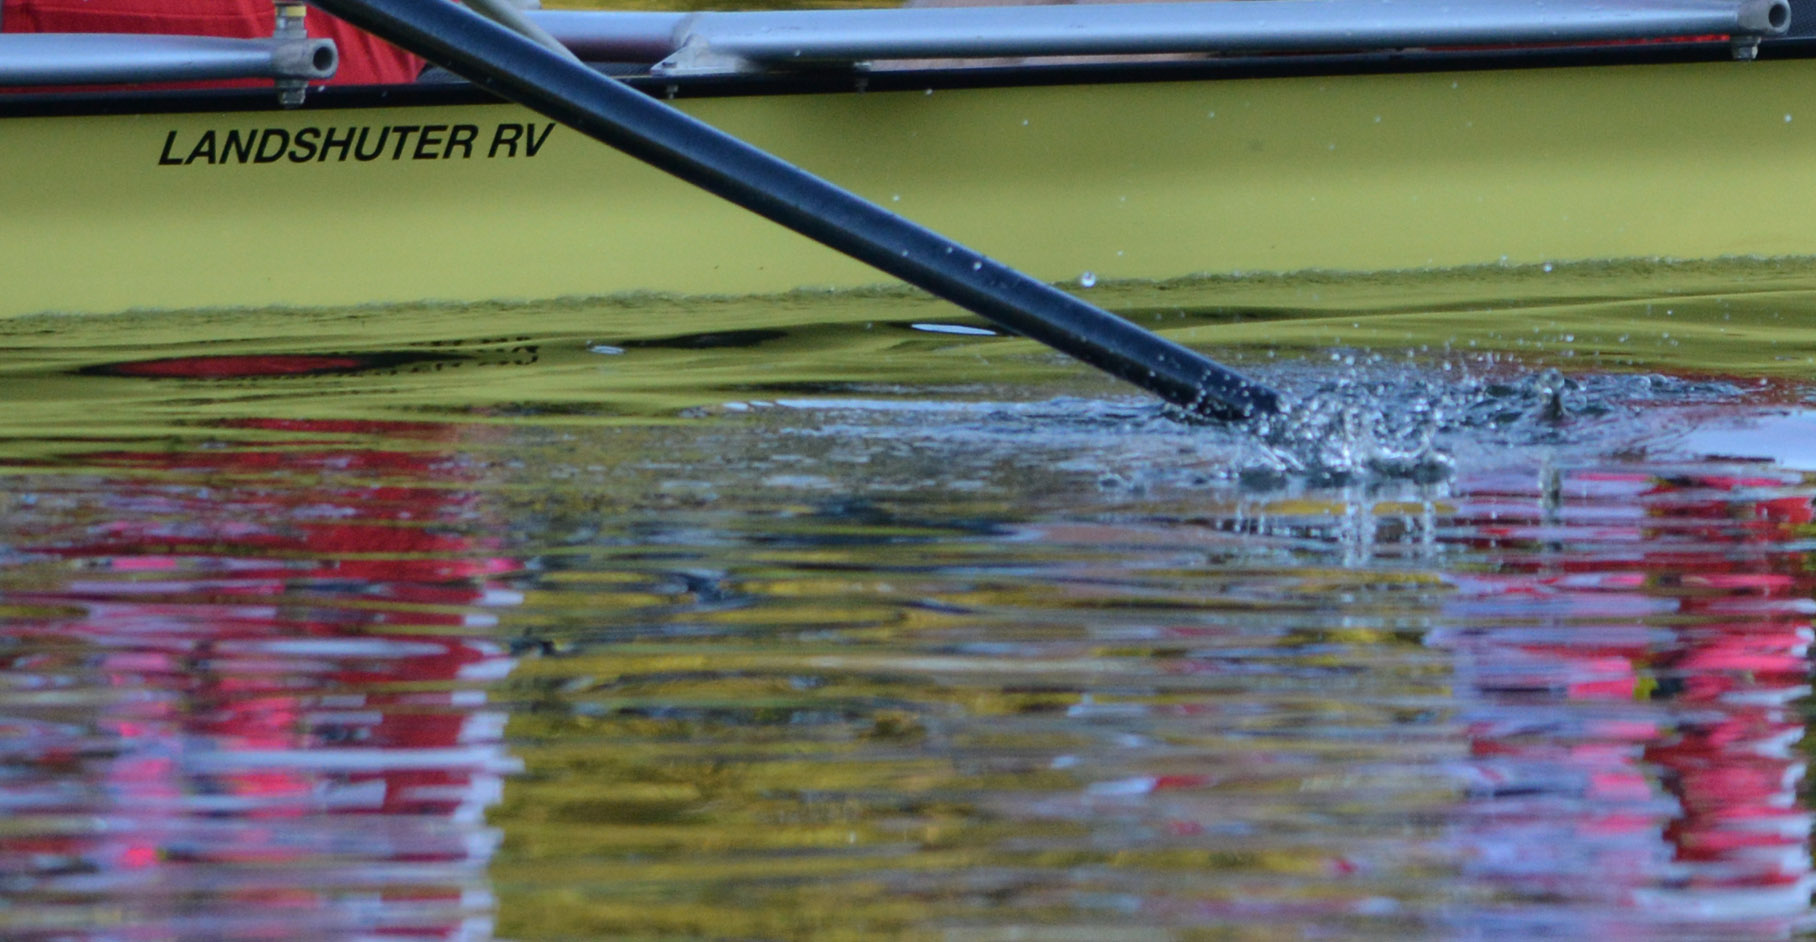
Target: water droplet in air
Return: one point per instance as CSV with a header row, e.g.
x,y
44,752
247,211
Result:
x,y
1545,267
1088,279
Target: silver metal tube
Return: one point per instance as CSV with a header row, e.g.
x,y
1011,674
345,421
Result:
x,y
1259,26
84,58
509,14
613,36
759,39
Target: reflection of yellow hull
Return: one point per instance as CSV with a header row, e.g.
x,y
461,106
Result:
x,y
1147,179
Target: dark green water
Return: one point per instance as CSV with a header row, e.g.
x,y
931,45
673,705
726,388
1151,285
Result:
x,y
790,619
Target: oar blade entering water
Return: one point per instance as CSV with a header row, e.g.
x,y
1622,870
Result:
x,y
521,70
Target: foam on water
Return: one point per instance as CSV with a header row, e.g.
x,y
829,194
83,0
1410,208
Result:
x,y
1373,421
1376,420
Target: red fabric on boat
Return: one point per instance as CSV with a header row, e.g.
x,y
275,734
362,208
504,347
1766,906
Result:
x,y
363,59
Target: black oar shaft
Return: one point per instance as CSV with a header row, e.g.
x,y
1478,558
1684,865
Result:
x,y
520,70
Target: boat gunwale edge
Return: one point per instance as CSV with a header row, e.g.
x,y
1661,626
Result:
x,y
957,76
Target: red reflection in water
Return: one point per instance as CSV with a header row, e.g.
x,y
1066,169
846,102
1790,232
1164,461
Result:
x,y
1628,659
264,710
1626,593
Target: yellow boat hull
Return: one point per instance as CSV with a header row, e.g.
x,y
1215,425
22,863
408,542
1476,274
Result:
x,y
1125,180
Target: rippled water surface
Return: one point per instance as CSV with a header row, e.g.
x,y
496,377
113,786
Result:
x,y
811,618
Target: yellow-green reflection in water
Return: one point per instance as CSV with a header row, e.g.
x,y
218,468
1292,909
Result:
x,y
787,618
1737,317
